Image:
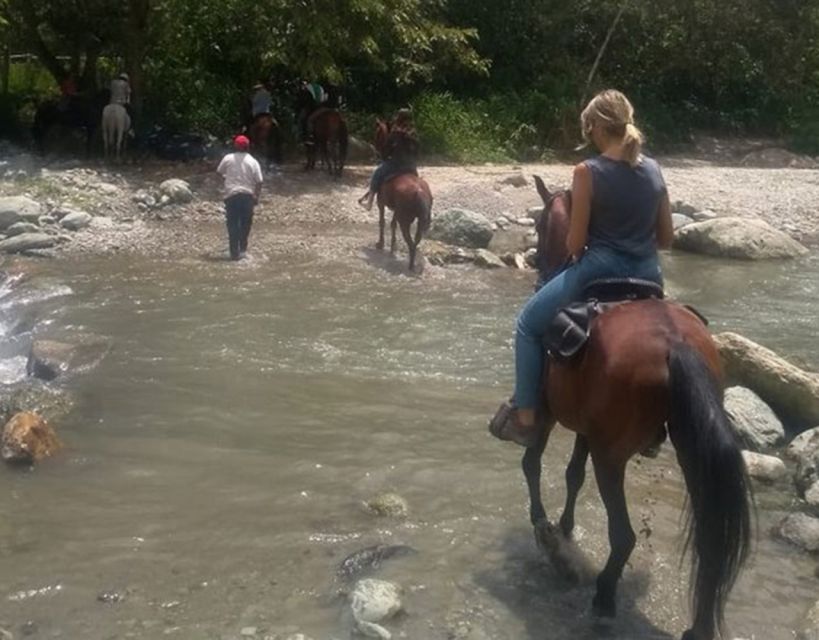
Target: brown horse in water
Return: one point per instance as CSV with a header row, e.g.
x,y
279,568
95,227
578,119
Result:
x,y
409,198
330,139
265,139
648,364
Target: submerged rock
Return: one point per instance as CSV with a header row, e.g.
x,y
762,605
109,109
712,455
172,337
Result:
x,y
372,602
734,237
754,422
440,254
791,392
49,359
28,438
462,228
388,505
801,530
50,402
370,559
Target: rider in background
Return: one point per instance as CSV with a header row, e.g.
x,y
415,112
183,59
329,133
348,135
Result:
x,y
620,217
314,97
261,101
121,94
400,155
68,89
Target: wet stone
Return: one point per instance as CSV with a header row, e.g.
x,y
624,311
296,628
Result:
x,y
389,505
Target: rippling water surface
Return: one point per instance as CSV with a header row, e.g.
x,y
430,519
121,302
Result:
x,y
218,457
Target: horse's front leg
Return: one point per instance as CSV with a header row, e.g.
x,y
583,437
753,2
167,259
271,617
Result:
x,y
531,464
575,475
381,224
610,475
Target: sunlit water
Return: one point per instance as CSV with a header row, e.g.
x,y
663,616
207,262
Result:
x,y
218,457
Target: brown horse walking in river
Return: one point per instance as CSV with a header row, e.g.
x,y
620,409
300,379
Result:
x,y
409,198
647,364
330,139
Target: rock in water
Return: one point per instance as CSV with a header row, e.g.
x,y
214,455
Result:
x,y
370,559
462,228
800,529
756,425
27,438
18,208
765,468
791,392
440,254
806,453
49,359
679,220
388,505
19,228
49,402
810,626
373,601
178,191
27,242
734,237
487,259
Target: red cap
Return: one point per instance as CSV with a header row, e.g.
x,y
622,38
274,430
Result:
x,y
241,143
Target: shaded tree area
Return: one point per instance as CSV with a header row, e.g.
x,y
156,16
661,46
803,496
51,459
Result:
x,y
515,71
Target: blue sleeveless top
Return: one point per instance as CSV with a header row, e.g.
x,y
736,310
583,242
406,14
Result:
x,y
624,205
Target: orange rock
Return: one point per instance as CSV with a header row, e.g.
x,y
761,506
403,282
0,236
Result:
x,y
27,437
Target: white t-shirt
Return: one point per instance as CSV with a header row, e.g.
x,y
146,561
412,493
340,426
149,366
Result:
x,y
120,91
241,173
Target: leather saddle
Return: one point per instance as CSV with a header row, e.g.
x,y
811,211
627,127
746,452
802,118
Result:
x,y
569,331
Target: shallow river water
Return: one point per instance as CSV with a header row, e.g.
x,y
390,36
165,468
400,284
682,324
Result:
x,y
218,457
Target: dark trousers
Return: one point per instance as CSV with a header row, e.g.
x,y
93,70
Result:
x,y
239,219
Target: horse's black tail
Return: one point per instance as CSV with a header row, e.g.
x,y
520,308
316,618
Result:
x,y
718,522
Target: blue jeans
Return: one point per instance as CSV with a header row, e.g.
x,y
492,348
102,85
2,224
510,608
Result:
x,y
566,287
387,169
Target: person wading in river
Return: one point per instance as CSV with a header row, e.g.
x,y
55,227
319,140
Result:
x,y
243,186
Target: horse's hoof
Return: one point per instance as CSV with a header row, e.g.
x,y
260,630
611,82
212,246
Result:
x,y
379,246
566,527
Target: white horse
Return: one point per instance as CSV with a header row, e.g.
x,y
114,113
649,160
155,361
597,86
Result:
x,y
115,125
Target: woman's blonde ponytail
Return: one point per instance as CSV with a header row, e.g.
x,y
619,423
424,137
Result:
x,y
632,144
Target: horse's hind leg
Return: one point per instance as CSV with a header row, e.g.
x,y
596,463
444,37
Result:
x,y
575,475
610,476
393,226
381,224
405,231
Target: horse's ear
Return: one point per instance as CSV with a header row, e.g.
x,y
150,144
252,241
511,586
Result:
x,y
542,190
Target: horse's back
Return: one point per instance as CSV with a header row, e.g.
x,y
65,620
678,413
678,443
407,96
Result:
x,y
406,190
622,376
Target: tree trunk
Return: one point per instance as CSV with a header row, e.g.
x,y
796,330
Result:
x,y
88,79
600,53
5,69
136,47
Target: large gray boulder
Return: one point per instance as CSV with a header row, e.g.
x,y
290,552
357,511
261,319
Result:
x,y
764,468
27,242
360,151
804,450
754,422
462,228
177,191
791,392
18,208
76,220
734,237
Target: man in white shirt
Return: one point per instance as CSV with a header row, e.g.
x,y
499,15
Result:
x,y
243,186
121,94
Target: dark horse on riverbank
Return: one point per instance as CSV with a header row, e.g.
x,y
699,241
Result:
x,y
265,138
409,198
647,364
329,140
80,111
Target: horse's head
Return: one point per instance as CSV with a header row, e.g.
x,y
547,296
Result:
x,y
552,227
382,130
